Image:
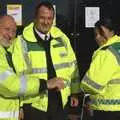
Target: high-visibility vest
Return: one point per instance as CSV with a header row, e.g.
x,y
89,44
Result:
x,y
102,80
34,63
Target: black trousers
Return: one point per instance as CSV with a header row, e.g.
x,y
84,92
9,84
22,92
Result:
x,y
31,113
55,109
106,115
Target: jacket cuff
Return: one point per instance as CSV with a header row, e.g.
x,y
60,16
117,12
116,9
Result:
x,y
43,85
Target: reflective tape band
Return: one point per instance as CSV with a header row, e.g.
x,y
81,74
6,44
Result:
x,y
6,74
92,83
114,81
56,66
39,70
106,101
23,85
6,115
25,53
64,65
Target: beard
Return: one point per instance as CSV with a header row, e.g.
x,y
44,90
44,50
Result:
x,y
5,42
44,28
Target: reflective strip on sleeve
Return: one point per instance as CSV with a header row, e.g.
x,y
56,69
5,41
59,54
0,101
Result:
x,y
114,81
64,65
5,74
23,85
92,83
8,115
106,101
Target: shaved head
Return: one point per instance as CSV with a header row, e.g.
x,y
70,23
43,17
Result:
x,y
7,18
7,30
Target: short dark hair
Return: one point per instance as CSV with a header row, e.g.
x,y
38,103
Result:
x,y
46,4
106,22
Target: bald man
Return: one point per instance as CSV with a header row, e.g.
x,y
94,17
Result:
x,y
7,30
14,85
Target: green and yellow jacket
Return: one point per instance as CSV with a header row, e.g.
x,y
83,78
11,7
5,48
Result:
x,y
102,80
33,62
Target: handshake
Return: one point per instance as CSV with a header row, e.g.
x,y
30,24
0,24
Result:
x,y
57,83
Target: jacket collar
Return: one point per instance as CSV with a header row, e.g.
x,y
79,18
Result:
x,y
29,35
111,40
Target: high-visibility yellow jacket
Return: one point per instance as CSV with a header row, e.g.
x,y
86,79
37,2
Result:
x,y
34,63
102,80
12,87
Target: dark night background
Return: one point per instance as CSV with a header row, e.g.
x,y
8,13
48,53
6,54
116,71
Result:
x,y
70,17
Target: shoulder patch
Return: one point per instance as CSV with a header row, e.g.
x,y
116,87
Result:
x,y
60,43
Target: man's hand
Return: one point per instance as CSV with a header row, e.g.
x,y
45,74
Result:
x,y
56,82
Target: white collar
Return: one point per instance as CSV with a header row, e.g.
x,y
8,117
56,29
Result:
x,y
41,35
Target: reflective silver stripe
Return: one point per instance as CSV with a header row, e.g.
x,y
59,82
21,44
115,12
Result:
x,y
92,83
25,54
106,101
5,74
64,65
114,81
23,85
11,114
35,70
39,70
57,66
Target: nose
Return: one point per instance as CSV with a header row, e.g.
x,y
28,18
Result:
x,y
98,37
46,21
